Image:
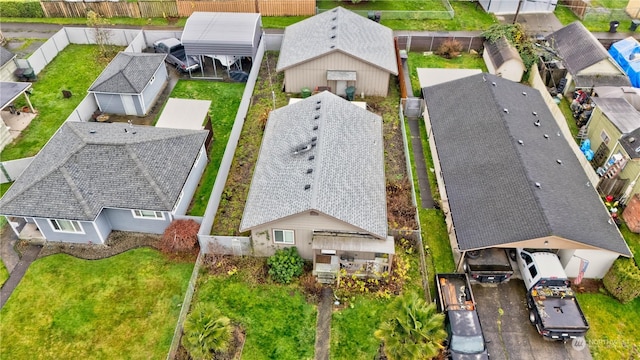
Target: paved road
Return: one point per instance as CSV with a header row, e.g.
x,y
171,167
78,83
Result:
x,y
514,338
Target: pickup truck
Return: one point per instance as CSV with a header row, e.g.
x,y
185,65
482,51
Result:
x,y
488,265
176,55
455,298
553,307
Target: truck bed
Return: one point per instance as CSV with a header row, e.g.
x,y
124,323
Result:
x,y
559,312
490,266
454,290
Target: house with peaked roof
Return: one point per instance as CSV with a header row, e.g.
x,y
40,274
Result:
x,y
130,84
614,132
7,65
319,185
92,178
587,62
509,179
335,50
503,59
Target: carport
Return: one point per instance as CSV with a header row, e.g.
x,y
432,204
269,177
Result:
x,y
226,37
11,119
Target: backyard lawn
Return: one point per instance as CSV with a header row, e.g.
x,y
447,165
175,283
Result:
x,y
74,69
278,321
4,274
418,60
225,99
598,21
124,307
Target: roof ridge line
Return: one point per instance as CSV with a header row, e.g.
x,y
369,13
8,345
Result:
x,y
318,158
76,192
148,177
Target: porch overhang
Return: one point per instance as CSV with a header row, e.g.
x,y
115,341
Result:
x,y
354,242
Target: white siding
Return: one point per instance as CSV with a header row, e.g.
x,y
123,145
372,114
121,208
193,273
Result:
x,y
303,226
370,80
599,262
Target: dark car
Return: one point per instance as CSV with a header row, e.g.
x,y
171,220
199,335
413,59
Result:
x,y
176,55
465,339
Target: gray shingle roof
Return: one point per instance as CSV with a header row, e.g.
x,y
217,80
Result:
x,y
10,90
347,179
491,179
579,49
5,56
619,112
128,73
631,143
79,171
338,30
501,51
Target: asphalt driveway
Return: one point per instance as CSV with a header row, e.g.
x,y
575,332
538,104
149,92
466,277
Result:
x,y
519,340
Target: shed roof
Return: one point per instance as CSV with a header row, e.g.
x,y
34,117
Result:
x,y
491,179
9,91
184,114
346,161
631,143
621,114
631,94
501,51
338,30
220,33
5,56
128,73
86,167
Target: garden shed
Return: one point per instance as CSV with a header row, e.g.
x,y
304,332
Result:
x,y
130,84
335,50
502,59
9,92
626,53
7,65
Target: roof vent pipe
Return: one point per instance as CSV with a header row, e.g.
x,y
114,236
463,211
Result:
x,y
307,187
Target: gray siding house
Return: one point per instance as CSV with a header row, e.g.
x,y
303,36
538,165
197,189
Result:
x,y
92,178
338,49
130,84
319,185
509,179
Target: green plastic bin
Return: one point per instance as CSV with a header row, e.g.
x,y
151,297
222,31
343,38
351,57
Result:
x,y
350,91
305,92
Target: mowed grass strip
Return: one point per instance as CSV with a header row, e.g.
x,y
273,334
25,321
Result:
x,y
278,322
74,69
225,99
124,307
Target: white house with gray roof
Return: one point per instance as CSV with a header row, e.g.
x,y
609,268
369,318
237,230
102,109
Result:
x,y
130,84
92,178
319,185
338,49
508,178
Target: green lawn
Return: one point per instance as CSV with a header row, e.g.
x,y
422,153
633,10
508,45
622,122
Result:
x,y
225,99
633,240
74,69
4,274
352,329
418,60
598,22
614,326
278,322
124,307
405,5
467,17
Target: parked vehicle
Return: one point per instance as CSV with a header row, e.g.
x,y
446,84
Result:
x,y
455,298
488,265
176,55
553,307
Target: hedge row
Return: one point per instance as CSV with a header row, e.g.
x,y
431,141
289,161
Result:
x,y
623,280
22,9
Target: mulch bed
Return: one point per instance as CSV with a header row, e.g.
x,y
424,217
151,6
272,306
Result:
x,y
588,286
117,243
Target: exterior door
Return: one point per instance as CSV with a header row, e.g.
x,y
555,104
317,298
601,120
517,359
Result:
x,y
129,107
341,87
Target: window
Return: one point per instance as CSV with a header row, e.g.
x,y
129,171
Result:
x,y
68,226
533,271
605,137
283,237
148,214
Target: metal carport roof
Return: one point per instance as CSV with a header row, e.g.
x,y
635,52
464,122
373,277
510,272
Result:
x,y
211,33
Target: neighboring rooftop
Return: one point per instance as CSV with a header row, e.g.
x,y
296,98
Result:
x,y
128,73
222,33
631,143
501,51
621,114
323,154
87,166
509,173
5,56
9,91
338,30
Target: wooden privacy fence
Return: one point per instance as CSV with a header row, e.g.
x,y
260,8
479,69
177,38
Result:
x,y
578,7
176,8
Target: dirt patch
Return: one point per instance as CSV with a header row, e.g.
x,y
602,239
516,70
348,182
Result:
x,y
117,243
588,286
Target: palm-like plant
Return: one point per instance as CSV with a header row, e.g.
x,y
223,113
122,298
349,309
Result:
x,y
415,329
206,331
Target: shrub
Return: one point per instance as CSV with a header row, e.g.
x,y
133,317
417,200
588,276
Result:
x,y
449,49
31,9
623,280
180,236
206,331
517,36
285,264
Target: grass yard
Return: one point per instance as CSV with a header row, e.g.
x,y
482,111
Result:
x,y
406,5
633,240
352,329
124,307
614,326
224,106
4,274
467,17
597,22
74,69
418,60
278,322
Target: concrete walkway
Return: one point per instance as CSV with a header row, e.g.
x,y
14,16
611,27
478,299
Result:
x,y
8,254
18,272
323,328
